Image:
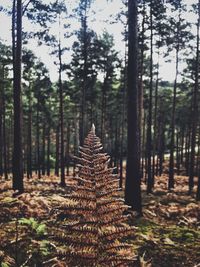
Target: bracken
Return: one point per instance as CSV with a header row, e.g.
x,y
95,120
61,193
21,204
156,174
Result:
x,y
95,224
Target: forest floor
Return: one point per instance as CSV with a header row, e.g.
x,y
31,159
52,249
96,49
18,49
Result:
x,y
168,234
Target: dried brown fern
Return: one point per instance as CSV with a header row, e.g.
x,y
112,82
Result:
x,y
95,224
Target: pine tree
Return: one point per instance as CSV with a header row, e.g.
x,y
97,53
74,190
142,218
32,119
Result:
x,y
95,224
17,151
194,114
132,188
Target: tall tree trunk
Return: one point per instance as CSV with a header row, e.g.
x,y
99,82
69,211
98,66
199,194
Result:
x,y
38,143
5,137
140,93
116,145
1,125
43,149
68,148
150,179
57,151
198,154
187,150
143,167
171,159
48,150
9,142
182,145
103,108
161,144
17,150
62,155
194,114
177,153
155,119
82,125
122,130
198,189
133,181
29,161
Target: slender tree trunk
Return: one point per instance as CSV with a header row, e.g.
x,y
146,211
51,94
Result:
x,y
17,151
133,181
9,142
161,146
194,110
43,149
155,120
38,143
1,134
198,154
140,93
116,146
68,148
48,150
4,138
62,155
171,159
103,108
187,150
84,87
29,165
198,171
122,133
13,34
57,152
143,167
182,145
150,179
198,189
177,153
35,154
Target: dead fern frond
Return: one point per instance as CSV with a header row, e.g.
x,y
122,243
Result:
x,y
96,225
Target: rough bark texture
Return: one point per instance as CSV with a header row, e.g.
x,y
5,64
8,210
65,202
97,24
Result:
x,y
17,151
132,188
194,116
150,178
29,141
62,156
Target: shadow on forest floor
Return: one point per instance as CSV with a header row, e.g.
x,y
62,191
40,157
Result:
x,y
168,234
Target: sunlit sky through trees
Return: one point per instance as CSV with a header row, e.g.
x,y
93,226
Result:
x,y
102,13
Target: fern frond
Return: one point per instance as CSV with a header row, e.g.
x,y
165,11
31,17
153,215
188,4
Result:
x,y
96,224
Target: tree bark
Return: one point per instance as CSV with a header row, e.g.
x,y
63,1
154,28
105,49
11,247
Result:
x,y
171,159
194,115
43,149
62,156
82,125
57,151
132,187
68,148
48,151
38,143
150,178
29,150
140,93
155,120
1,127
17,151
4,138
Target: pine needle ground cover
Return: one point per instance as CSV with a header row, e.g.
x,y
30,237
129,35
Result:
x,y
45,225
